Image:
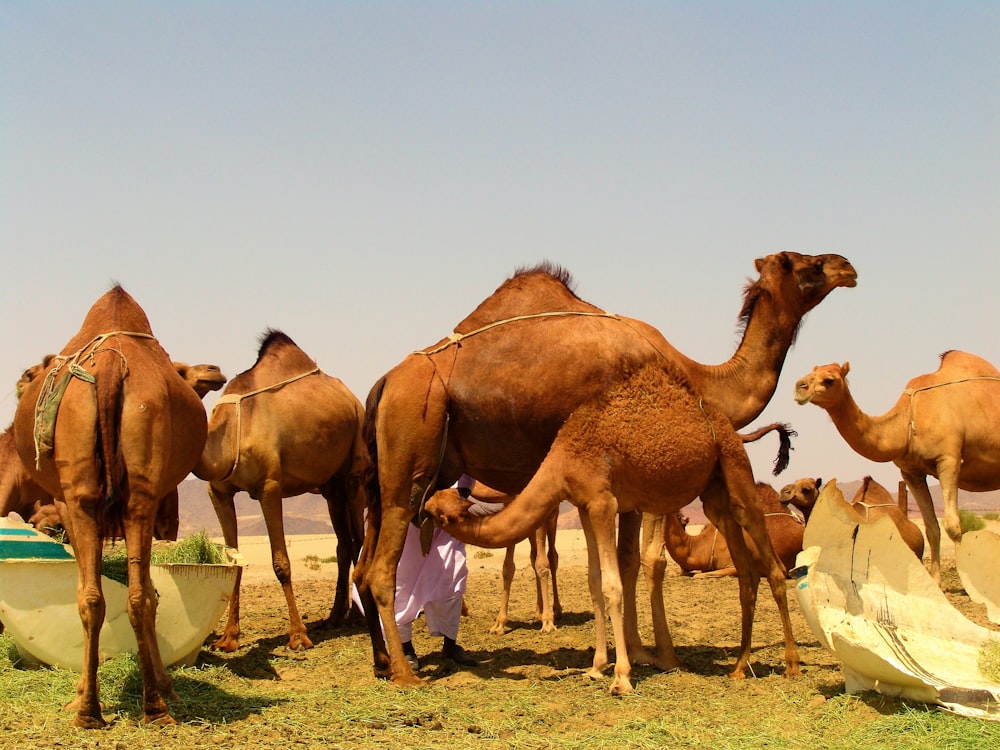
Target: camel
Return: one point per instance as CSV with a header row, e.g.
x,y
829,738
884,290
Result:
x,y
489,400
20,494
708,552
652,445
544,562
280,429
128,431
870,502
946,424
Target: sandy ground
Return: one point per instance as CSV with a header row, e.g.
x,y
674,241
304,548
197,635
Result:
x,y
312,555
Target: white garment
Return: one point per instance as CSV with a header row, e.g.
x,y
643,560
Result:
x,y
433,584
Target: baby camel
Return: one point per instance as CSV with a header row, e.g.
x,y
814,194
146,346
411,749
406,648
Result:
x,y
708,552
871,501
946,425
649,444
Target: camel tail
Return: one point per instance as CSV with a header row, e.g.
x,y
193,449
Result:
x,y
110,393
373,490
785,435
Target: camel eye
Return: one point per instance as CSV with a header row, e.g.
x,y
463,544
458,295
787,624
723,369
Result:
x,y
827,382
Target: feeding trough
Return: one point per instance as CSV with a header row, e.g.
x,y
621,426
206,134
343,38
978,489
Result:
x,y
38,606
871,602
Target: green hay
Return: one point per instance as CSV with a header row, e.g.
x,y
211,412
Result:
x,y
989,660
197,549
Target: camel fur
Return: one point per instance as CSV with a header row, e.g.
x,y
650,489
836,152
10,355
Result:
x,y
870,502
946,424
648,446
490,399
708,554
128,431
280,429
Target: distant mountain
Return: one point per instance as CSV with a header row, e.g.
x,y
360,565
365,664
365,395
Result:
x,y
307,514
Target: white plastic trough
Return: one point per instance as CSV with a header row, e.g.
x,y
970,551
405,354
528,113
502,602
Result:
x,y
870,601
38,607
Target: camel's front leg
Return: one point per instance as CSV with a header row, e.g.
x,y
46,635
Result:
x,y
654,564
947,471
225,511
500,625
270,503
336,503
917,485
602,510
594,582
541,564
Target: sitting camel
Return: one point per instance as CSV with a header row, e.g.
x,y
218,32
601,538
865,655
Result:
x,y
946,425
129,430
649,444
22,495
871,501
280,429
544,565
708,552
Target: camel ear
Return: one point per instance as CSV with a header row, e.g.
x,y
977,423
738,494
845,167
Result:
x,y
818,483
845,368
758,264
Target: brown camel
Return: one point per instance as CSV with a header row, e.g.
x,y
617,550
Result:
x,y
871,501
651,445
544,562
20,494
280,429
945,425
489,400
129,429
708,553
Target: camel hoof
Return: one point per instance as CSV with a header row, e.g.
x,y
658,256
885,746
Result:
x,y
407,681
548,627
225,644
594,673
83,721
621,687
163,720
300,643
498,628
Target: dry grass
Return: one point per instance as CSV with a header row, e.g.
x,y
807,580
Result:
x,y
529,691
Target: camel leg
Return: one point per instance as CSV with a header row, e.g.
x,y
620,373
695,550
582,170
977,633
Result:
x,y
917,484
719,511
336,503
87,547
654,564
948,468
551,527
500,626
541,563
225,511
270,504
594,582
602,509
380,582
629,562
157,685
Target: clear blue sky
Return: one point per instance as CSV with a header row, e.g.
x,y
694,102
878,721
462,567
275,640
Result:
x,y
361,175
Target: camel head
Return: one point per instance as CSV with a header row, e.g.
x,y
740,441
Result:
x,y
824,386
203,378
801,494
806,278
31,373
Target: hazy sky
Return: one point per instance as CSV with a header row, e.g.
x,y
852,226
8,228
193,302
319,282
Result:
x,y
361,175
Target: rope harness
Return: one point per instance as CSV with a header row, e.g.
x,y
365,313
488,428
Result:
x,y
912,392
237,399
56,381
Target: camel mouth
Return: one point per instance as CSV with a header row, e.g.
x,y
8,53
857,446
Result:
x,y
803,398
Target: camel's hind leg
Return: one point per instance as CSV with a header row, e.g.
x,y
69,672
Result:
x,y
745,508
347,553
545,564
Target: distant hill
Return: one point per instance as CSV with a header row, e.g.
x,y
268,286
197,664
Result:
x,y
307,514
